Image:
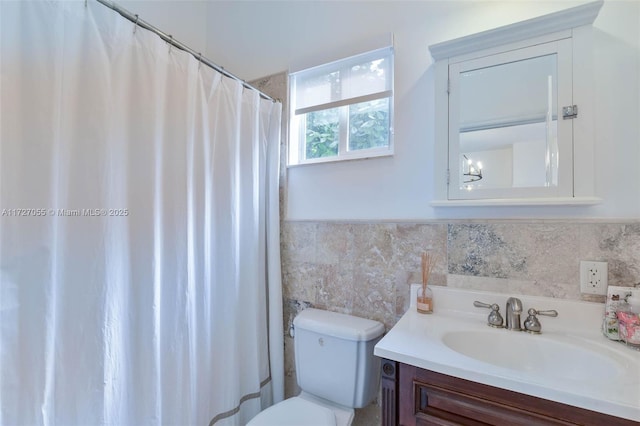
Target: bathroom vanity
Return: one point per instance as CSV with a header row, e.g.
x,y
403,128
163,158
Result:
x,y
427,397
451,368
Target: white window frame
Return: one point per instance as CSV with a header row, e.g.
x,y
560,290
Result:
x,y
297,129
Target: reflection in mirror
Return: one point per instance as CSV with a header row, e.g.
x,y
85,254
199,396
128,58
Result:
x,y
508,125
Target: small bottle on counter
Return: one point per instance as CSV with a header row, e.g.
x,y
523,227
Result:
x,y
425,300
425,295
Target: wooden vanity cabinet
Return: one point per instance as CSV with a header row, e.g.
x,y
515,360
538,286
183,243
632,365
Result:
x,y
412,396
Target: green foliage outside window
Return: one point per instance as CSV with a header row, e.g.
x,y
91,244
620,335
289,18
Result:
x,y
369,125
323,133
368,128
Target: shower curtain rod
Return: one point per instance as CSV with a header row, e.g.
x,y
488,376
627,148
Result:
x,y
169,39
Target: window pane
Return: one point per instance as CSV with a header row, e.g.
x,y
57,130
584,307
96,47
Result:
x,y
318,89
322,133
348,78
369,125
369,77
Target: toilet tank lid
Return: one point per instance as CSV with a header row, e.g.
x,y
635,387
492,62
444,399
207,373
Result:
x,y
334,324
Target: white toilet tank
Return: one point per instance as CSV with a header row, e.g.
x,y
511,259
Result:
x,y
334,356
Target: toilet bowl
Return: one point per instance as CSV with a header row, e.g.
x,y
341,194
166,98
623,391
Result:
x,y
304,409
335,367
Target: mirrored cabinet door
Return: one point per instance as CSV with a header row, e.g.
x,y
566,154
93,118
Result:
x,y
507,136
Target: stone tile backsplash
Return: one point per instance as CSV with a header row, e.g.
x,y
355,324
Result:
x,y
358,268
365,269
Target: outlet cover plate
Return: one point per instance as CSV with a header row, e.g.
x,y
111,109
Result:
x,y
593,277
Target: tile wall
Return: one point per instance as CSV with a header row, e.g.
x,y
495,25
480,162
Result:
x,y
366,268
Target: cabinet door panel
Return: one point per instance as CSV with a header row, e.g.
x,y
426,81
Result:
x,y
433,401
444,419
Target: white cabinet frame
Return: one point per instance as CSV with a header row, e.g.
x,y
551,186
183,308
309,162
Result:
x,y
571,26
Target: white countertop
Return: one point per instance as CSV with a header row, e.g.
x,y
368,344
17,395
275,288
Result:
x,y
417,339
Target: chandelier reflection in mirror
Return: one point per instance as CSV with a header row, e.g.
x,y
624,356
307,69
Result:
x,y
472,172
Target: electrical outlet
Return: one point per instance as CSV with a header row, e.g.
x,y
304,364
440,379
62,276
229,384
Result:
x,y
593,277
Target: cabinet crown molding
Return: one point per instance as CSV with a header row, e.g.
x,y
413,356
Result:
x,y
554,22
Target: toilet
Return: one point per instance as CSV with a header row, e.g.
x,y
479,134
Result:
x,y
336,370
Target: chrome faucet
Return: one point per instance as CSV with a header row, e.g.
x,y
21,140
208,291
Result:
x,y
514,309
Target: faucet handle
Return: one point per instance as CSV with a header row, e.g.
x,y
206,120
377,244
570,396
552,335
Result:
x,y
532,324
494,319
549,313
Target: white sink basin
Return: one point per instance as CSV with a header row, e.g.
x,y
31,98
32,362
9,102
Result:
x,y
571,362
568,358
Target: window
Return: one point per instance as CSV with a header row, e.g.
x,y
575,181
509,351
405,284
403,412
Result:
x,y
342,110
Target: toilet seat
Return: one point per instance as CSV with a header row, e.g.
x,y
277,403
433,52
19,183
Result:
x,y
295,412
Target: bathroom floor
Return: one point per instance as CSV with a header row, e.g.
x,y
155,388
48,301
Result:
x,y
368,416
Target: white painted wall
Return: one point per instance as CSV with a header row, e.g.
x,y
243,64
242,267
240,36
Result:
x,y
258,38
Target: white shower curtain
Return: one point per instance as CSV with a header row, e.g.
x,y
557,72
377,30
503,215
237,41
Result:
x,y
139,254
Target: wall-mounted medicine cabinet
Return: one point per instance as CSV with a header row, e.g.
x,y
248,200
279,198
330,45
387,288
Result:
x,y
514,114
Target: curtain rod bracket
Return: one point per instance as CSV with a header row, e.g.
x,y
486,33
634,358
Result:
x,y
135,24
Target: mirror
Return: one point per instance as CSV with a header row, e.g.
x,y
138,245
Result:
x,y
508,125
505,139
